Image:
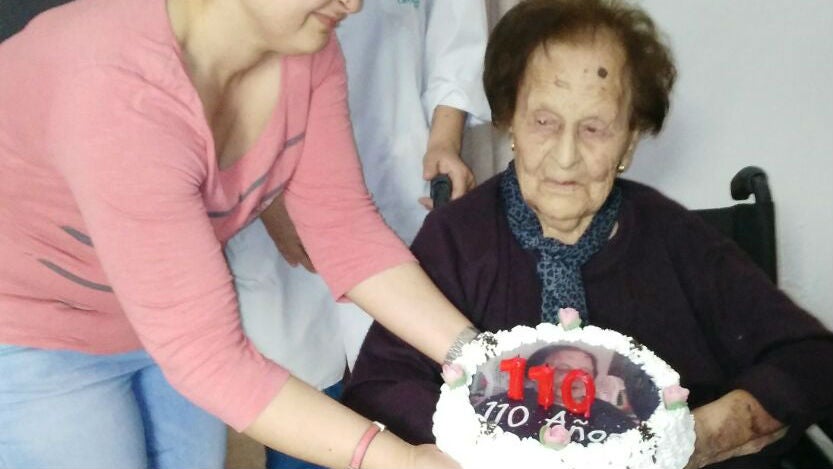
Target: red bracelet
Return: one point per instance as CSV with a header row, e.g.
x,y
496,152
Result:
x,y
361,448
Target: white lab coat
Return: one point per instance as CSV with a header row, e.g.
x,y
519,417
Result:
x,y
404,57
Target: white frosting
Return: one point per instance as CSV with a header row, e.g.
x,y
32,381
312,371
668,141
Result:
x,y
458,428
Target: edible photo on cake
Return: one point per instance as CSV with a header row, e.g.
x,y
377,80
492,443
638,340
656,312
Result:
x,y
591,391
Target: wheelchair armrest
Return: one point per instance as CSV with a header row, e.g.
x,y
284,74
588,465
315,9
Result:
x,y
820,438
751,180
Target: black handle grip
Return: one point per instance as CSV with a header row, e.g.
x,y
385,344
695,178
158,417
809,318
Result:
x,y
440,190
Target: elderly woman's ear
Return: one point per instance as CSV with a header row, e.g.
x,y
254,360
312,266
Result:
x,y
627,157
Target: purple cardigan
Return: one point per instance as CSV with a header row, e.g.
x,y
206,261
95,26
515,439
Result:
x,y
667,279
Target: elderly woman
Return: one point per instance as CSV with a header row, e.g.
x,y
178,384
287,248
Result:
x,y
576,84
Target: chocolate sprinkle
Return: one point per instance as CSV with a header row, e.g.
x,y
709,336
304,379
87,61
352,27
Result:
x,y
489,342
645,431
487,428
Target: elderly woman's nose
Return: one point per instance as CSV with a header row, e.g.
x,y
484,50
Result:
x,y
565,152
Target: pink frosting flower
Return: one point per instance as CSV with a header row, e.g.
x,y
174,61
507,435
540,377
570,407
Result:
x,y
569,318
674,397
555,437
453,374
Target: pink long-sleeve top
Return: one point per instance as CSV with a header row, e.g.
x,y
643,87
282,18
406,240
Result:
x,y
113,210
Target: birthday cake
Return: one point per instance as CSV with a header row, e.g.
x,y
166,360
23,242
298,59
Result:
x,y
562,396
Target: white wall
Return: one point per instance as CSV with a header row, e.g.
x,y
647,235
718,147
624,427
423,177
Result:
x,y
755,88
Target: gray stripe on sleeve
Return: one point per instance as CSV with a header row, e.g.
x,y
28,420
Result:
x,y
221,214
74,278
258,182
271,194
79,236
294,140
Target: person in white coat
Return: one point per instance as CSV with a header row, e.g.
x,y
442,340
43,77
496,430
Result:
x,y
414,76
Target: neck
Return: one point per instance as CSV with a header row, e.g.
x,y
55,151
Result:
x,y
569,232
565,231
217,41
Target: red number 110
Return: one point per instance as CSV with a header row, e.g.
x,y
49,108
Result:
x,y
544,375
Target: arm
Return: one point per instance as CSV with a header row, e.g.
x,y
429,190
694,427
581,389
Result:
x,y
764,341
316,428
455,42
391,381
395,384
734,425
377,275
354,251
398,296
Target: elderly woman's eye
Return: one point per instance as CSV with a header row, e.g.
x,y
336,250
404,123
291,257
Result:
x,y
594,130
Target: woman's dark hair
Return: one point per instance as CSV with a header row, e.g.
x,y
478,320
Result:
x,y
542,354
534,23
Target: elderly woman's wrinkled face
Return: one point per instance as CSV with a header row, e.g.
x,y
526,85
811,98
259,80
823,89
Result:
x,y
571,131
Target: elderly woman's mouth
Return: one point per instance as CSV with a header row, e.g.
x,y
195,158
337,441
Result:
x,y
555,185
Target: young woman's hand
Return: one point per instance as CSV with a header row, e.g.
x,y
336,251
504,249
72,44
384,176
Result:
x,y
430,457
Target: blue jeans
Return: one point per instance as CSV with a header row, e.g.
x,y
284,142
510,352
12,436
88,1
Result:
x,y
62,409
277,460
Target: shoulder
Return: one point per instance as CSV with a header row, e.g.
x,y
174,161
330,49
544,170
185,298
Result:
x,y
129,33
648,199
655,212
126,43
661,225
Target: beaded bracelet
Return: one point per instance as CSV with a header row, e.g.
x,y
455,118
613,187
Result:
x,y
465,336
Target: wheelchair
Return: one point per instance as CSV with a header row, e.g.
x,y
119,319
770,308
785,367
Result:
x,y
752,227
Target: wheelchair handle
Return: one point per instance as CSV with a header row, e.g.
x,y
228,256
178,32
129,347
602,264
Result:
x,y
440,190
750,180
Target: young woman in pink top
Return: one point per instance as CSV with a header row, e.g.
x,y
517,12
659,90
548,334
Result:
x,y
136,137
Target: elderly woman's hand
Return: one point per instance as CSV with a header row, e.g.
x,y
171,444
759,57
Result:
x,y
734,425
